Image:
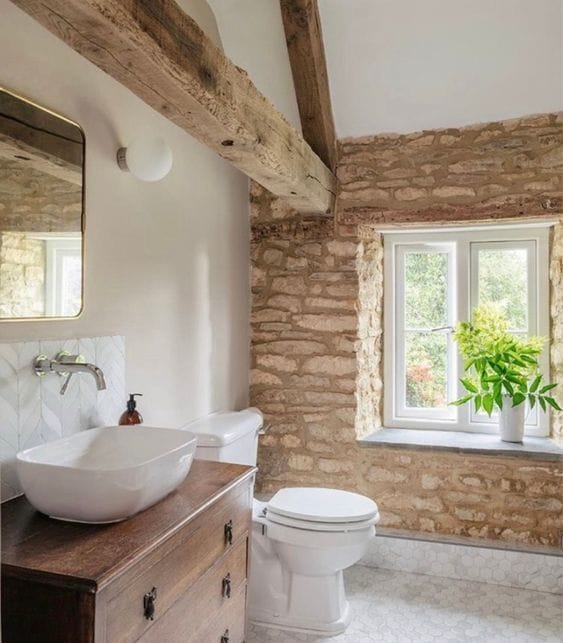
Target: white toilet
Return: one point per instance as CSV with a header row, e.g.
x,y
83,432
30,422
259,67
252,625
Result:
x,y
302,539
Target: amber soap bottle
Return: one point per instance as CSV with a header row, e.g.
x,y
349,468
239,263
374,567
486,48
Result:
x,y
131,415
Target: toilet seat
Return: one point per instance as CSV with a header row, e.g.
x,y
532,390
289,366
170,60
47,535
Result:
x,y
310,525
319,509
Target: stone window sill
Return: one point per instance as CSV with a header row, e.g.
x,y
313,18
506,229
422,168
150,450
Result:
x,y
459,442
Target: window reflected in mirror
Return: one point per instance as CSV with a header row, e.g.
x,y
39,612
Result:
x,y
41,211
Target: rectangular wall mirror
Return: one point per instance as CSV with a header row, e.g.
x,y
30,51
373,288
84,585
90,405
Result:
x,y
41,211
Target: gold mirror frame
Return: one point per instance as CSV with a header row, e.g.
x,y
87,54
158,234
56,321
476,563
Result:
x,y
47,318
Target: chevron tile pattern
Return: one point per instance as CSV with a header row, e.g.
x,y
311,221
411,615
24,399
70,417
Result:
x,y
32,410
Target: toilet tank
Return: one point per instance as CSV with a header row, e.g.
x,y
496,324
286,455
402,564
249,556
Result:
x,y
228,436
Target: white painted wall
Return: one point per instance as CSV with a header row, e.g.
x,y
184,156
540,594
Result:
x,y
203,14
166,263
407,65
254,39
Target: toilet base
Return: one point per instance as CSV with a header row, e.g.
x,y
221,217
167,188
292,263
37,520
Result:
x,y
310,604
333,628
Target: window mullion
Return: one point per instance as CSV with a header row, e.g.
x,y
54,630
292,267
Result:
x,y
464,303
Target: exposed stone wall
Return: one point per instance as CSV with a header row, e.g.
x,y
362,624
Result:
x,y
369,353
22,275
503,170
33,201
30,202
316,357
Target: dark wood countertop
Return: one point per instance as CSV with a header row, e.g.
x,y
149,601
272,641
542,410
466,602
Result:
x,y
34,545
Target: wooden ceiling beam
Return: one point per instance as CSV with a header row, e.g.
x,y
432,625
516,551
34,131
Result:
x,y
158,52
304,37
41,150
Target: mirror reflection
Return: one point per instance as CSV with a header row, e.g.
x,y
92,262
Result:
x,y
41,211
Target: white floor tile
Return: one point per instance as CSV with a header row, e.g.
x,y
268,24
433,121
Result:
x,y
398,607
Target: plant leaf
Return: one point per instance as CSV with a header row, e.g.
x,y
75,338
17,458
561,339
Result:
x,y
547,388
469,385
514,377
535,383
488,404
553,403
532,400
518,398
462,400
541,400
508,387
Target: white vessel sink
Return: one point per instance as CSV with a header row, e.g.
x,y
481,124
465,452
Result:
x,y
106,474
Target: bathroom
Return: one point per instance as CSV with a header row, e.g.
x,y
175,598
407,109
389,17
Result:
x,y
265,273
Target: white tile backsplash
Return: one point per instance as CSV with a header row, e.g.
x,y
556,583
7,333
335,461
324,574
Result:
x,y
32,410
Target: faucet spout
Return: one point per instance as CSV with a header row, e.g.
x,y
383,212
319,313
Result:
x,y
67,365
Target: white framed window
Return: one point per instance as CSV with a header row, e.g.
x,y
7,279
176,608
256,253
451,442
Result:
x,y
63,276
433,280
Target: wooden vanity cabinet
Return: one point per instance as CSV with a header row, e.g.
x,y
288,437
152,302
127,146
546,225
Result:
x,y
176,573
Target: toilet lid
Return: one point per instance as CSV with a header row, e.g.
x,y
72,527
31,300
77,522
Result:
x,y
316,505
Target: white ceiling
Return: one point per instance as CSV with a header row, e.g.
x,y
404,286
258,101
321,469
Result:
x,y
407,65
254,39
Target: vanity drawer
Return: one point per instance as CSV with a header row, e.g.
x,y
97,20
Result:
x,y
230,623
177,564
204,612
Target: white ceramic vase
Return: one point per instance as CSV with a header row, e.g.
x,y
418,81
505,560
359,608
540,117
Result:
x,y
511,420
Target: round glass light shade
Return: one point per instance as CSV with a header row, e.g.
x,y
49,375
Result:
x,y
149,159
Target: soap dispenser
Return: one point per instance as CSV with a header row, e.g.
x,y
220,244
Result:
x,y
131,415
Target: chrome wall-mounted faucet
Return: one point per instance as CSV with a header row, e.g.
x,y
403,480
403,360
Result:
x,y
66,365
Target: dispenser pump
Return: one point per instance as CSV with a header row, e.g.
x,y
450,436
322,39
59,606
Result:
x,y
131,415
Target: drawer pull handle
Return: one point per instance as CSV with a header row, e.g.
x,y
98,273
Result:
x,y
148,604
227,586
225,637
229,532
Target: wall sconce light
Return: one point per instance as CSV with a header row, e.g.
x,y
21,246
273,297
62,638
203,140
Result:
x,y
146,159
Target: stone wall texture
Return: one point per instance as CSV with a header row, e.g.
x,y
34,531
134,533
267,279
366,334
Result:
x,y
503,170
22,275
31,201
316,337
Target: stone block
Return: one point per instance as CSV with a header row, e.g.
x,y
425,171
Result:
x,y
410,194
453,191
330,365
291,284
300,462
288,347
258,377
326,323
278,363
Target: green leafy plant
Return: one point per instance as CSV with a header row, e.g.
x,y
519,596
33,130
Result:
x,y
499,364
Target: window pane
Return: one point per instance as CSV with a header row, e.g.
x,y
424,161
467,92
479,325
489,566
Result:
x,y
426,370
426,301
71,284
503,279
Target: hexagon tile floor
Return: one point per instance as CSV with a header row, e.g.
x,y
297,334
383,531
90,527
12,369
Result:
x,y
398,607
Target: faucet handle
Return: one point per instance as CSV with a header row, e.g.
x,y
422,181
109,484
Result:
x,y
66,383
64,357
